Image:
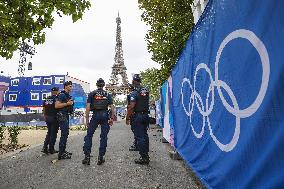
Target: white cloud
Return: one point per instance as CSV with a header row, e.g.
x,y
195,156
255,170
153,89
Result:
x,y
86,49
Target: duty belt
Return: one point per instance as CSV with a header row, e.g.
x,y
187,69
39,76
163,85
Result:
x,y
143,112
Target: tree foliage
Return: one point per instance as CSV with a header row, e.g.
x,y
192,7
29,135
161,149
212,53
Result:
x,y
2,134
119,102
14,132
150,78
170,22
26,20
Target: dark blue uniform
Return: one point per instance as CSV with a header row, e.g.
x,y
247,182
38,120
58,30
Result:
x,y
63,120
99,101
134,146
51,122
141,119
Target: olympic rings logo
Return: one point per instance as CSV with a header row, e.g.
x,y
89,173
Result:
x,y
205,108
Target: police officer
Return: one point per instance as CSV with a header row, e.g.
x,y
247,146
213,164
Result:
x,y
49,112
134,145
139,109
64,105
98,102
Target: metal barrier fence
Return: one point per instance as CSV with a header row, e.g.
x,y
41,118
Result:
x,y
34,120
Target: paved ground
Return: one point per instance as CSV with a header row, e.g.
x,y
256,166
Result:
x,y
31,169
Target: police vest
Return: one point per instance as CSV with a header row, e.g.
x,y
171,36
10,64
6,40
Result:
x,y
99,100
142,103
68,109
49,106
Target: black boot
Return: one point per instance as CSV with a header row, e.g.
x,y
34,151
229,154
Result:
x,y
52,151
143,160
44,150
64,155
70,153
86,160
101,160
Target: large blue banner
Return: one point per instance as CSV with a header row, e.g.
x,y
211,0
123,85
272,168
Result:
x,y
228,95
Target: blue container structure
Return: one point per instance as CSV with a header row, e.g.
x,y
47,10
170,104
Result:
x,y
29,92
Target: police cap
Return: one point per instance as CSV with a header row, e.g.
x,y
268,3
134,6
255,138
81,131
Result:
x,y
136,77
54,89
67,83
100,82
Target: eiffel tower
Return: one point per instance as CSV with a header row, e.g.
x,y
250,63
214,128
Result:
x,y
118,68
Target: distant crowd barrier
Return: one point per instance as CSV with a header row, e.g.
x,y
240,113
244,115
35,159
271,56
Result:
x,y
34,120
21,117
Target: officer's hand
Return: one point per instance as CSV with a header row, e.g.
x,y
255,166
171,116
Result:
x,y
110,122
127,121
70,102
87,124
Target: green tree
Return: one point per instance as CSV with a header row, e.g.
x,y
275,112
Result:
x,y
170,22
14,131
2,133
119,102
26,20
150,78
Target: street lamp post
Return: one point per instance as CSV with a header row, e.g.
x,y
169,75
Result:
x,y
25,50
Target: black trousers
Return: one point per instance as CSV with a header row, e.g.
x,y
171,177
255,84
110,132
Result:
x,y
141,125
52,129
